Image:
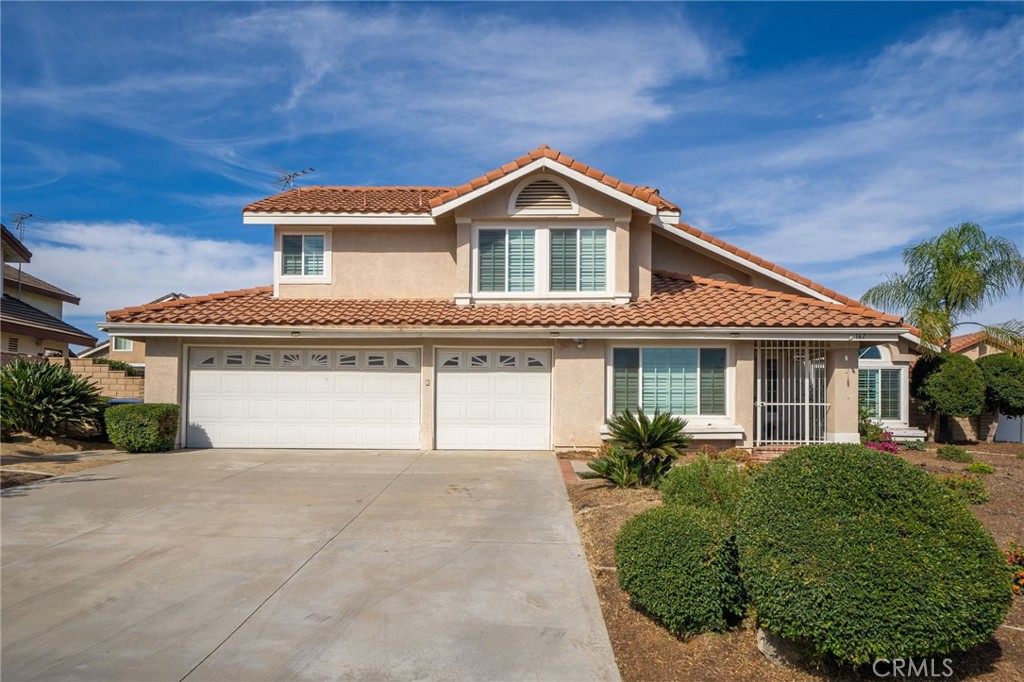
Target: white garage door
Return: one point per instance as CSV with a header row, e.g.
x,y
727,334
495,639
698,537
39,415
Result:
x,y
303,398
493,400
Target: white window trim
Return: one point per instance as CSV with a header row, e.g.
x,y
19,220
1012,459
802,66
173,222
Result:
x,y
526,182
542,265
113,345
887,363
325,278
695,421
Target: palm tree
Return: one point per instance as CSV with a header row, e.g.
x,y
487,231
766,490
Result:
x,y
950,277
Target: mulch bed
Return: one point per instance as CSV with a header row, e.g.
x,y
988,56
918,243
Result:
x,y
9,479
645,651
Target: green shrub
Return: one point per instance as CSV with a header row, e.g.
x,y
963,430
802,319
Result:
x,y
980,468
46,399
621,468
706,483
970,489
865,556
128,370
949,384
1004,383
149,427
916,445
954,453
655,441
679,565
735,454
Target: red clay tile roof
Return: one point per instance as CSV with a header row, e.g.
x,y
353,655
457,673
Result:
x,y
677,301
647,194
965,341
349,200
34,284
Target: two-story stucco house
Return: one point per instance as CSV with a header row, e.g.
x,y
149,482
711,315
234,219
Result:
x,y
516,311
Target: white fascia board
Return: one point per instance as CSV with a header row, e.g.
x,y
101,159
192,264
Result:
x,y
729,256
916,340
555,167
141,331
337,219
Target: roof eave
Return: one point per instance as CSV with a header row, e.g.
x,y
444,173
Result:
x,y
39,331
266,218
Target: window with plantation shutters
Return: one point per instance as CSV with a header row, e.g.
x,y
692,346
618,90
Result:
x,y
683,381
506,260
579,259
880,393
302,254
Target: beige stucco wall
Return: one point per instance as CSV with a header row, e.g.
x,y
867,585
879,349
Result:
x,y
163,370
385,262
578,393
49,305
744,387
640,264
135,356
841,392
30,345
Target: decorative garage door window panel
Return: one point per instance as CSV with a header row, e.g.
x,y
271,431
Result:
x,y
304,398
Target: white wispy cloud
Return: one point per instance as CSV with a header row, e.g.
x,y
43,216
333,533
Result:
x,y
113,265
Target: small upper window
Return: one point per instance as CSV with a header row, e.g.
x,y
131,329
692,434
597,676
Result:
x,y
544,196
302,254
871,353
120,344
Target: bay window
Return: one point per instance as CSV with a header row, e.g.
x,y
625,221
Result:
x,y
683,381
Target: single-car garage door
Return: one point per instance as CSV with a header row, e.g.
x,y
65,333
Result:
x,y
493,399
303,398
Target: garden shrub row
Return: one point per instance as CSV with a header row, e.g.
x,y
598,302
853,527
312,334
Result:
x,y
144,427
852,551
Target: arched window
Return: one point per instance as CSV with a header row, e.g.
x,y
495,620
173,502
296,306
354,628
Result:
x,y
881,385
543,196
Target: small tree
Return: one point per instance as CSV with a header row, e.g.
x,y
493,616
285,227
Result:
x,y
948,385
1004,386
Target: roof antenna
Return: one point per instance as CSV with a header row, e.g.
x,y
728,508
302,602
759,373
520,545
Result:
x,y
20,218
287,180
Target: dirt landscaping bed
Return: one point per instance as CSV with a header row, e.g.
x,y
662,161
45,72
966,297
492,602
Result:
x,y
645,651
25,459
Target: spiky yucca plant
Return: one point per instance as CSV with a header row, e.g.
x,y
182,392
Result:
x,y
44,399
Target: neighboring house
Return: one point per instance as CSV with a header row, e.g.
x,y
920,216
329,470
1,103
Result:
x,y
516,311
124,349
31,317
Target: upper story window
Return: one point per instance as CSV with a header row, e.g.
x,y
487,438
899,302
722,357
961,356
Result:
x,y
302,254
543,196
118,343
506,260
683,381
556,262
303,257
579,259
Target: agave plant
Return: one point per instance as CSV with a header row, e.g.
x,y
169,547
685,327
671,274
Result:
x,y
653,442
44,399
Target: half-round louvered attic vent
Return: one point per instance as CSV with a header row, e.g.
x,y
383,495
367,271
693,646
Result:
x,y
543,197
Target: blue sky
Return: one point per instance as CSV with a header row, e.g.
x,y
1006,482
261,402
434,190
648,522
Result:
x,y
825,137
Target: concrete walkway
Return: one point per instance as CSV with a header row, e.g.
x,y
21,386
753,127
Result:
x,y
315,565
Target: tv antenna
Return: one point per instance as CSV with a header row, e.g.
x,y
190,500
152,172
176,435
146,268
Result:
x,y
20,218
287,180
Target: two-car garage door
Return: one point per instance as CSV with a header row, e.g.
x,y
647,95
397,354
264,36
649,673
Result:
x,y
308,398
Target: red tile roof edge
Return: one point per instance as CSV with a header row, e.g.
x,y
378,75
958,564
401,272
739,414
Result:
x,y
961,342
854,309
640,192
189,300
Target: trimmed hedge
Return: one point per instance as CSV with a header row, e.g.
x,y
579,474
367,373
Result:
x,y
148,427
865,556
129,370
706,483
679,565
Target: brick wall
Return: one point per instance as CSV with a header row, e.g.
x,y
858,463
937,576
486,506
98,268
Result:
x,y
113,383
959,428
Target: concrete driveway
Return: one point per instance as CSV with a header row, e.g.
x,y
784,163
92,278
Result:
x,y
319,565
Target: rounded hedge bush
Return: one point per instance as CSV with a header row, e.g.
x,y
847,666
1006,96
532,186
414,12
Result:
x,y
679,565
706,483
143,427
864,557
